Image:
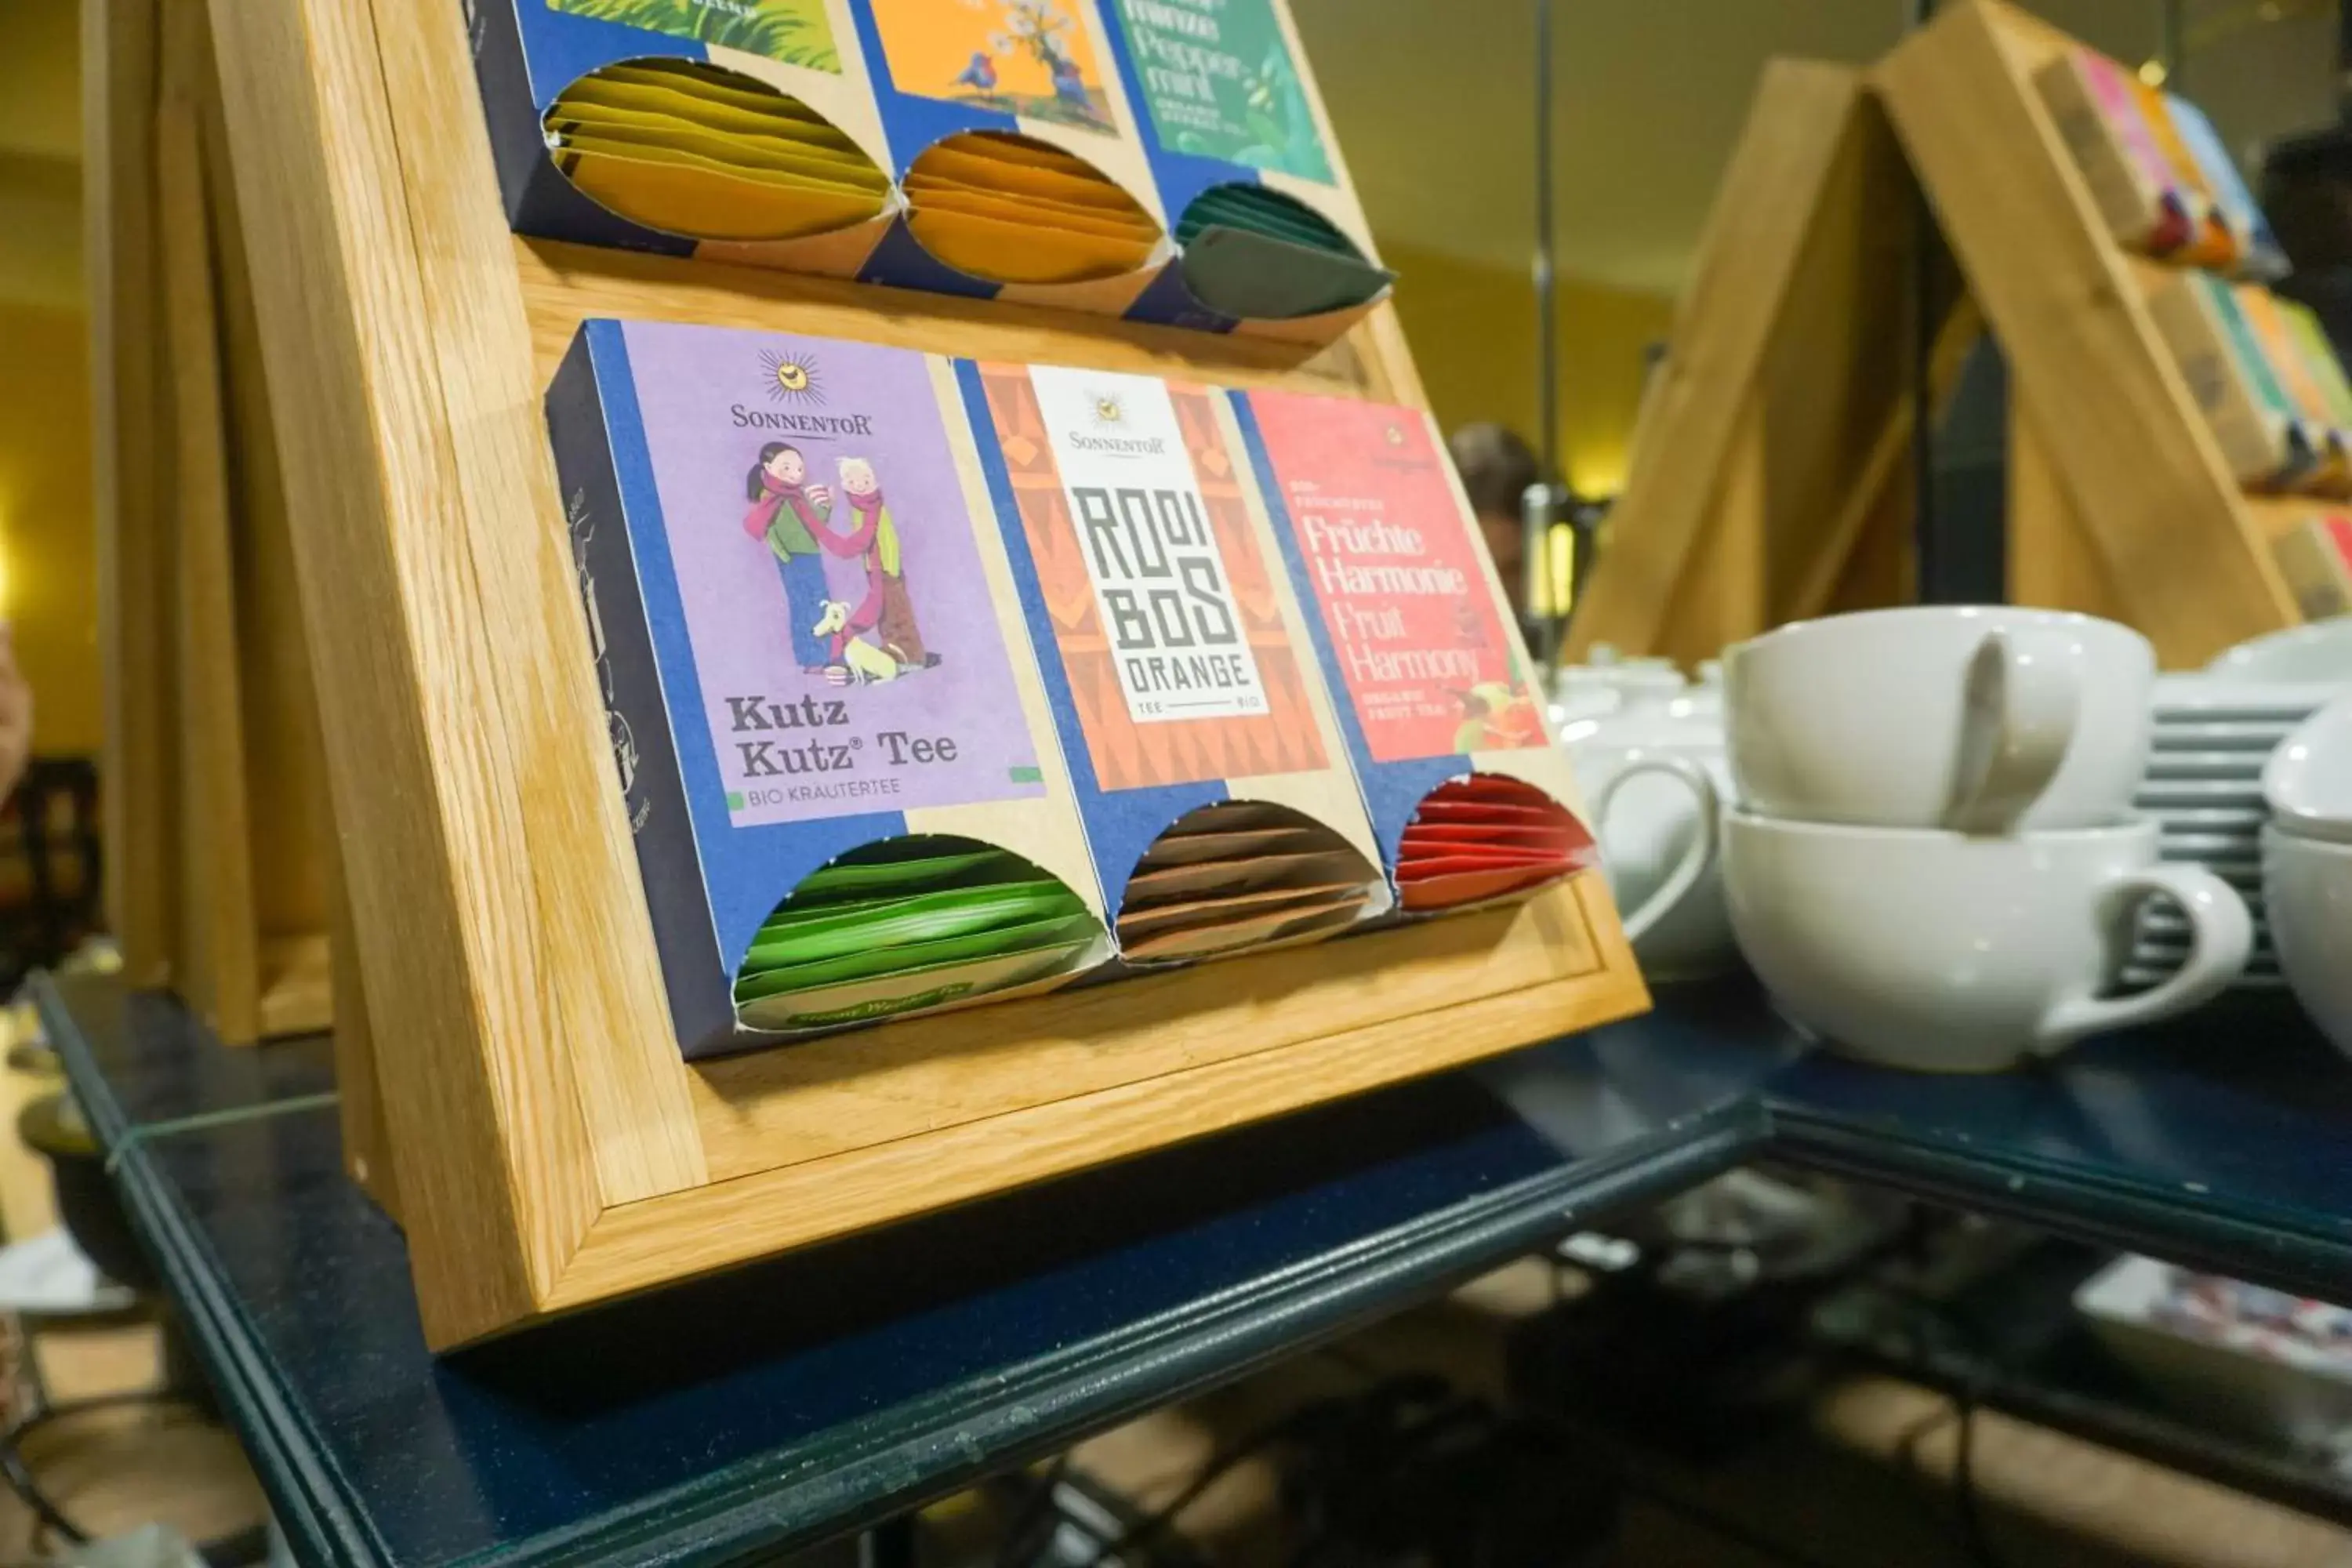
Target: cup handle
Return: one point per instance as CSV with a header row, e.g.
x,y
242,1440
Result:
x,y
1696,858
2017,719
2221,935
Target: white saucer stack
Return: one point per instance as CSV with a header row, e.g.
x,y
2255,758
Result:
x,y
2204,788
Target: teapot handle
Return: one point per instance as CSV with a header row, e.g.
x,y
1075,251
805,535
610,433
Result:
x,y
1696,856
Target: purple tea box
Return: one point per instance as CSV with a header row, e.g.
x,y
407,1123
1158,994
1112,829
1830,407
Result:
x,y
807,635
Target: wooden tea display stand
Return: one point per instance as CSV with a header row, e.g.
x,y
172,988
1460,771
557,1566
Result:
x,y
1771,473
217,834
527,1111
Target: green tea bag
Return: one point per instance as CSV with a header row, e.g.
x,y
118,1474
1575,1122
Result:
x,y
858,964
907,922
911,990
924,874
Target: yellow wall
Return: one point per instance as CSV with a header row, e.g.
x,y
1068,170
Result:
x,y
48,580
48,569
1473,333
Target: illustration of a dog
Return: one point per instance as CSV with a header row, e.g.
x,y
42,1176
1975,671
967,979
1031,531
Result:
x,y
858,660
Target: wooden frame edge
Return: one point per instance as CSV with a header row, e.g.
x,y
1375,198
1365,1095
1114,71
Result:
x,y
597,1032
632,1248
122,48
394,621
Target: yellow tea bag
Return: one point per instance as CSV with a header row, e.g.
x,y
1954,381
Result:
x,y
773,114
653,126
1021,150
703,85
939,196
742,154
670,155
1020,211
979,172
1022,253
682,195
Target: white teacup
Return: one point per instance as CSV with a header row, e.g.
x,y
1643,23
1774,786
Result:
x,y
1987,719
1945,953
2308,896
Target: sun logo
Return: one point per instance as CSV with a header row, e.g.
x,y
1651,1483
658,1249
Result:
x,y
1107,409
1395,436
790,379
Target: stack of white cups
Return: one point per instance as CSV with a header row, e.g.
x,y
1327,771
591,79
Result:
x,y
1934,862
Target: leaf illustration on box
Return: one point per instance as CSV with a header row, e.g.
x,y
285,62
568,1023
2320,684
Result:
x,y
796,32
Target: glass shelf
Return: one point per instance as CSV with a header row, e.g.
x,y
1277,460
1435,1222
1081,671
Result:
x,y
796,1399
2008,1336
2222,1140
820,1392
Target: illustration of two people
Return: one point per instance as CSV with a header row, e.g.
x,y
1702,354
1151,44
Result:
x,y
794,519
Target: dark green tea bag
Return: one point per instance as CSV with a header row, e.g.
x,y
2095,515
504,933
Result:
x,y
1259,211
1257,276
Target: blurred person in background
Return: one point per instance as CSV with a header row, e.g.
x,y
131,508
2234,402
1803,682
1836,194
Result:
x,y
1496,468
15,714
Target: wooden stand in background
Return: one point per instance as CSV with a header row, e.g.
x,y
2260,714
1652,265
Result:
x,y
1771,476
511,1084
1770,471
215,830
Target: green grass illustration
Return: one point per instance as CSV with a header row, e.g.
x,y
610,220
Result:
x,y
1092,115
794,31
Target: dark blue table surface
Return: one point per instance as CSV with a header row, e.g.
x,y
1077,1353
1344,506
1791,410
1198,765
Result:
x,y
783,1403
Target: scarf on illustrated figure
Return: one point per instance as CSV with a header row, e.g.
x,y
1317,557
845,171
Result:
x,y
874,531
871,517
791,540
